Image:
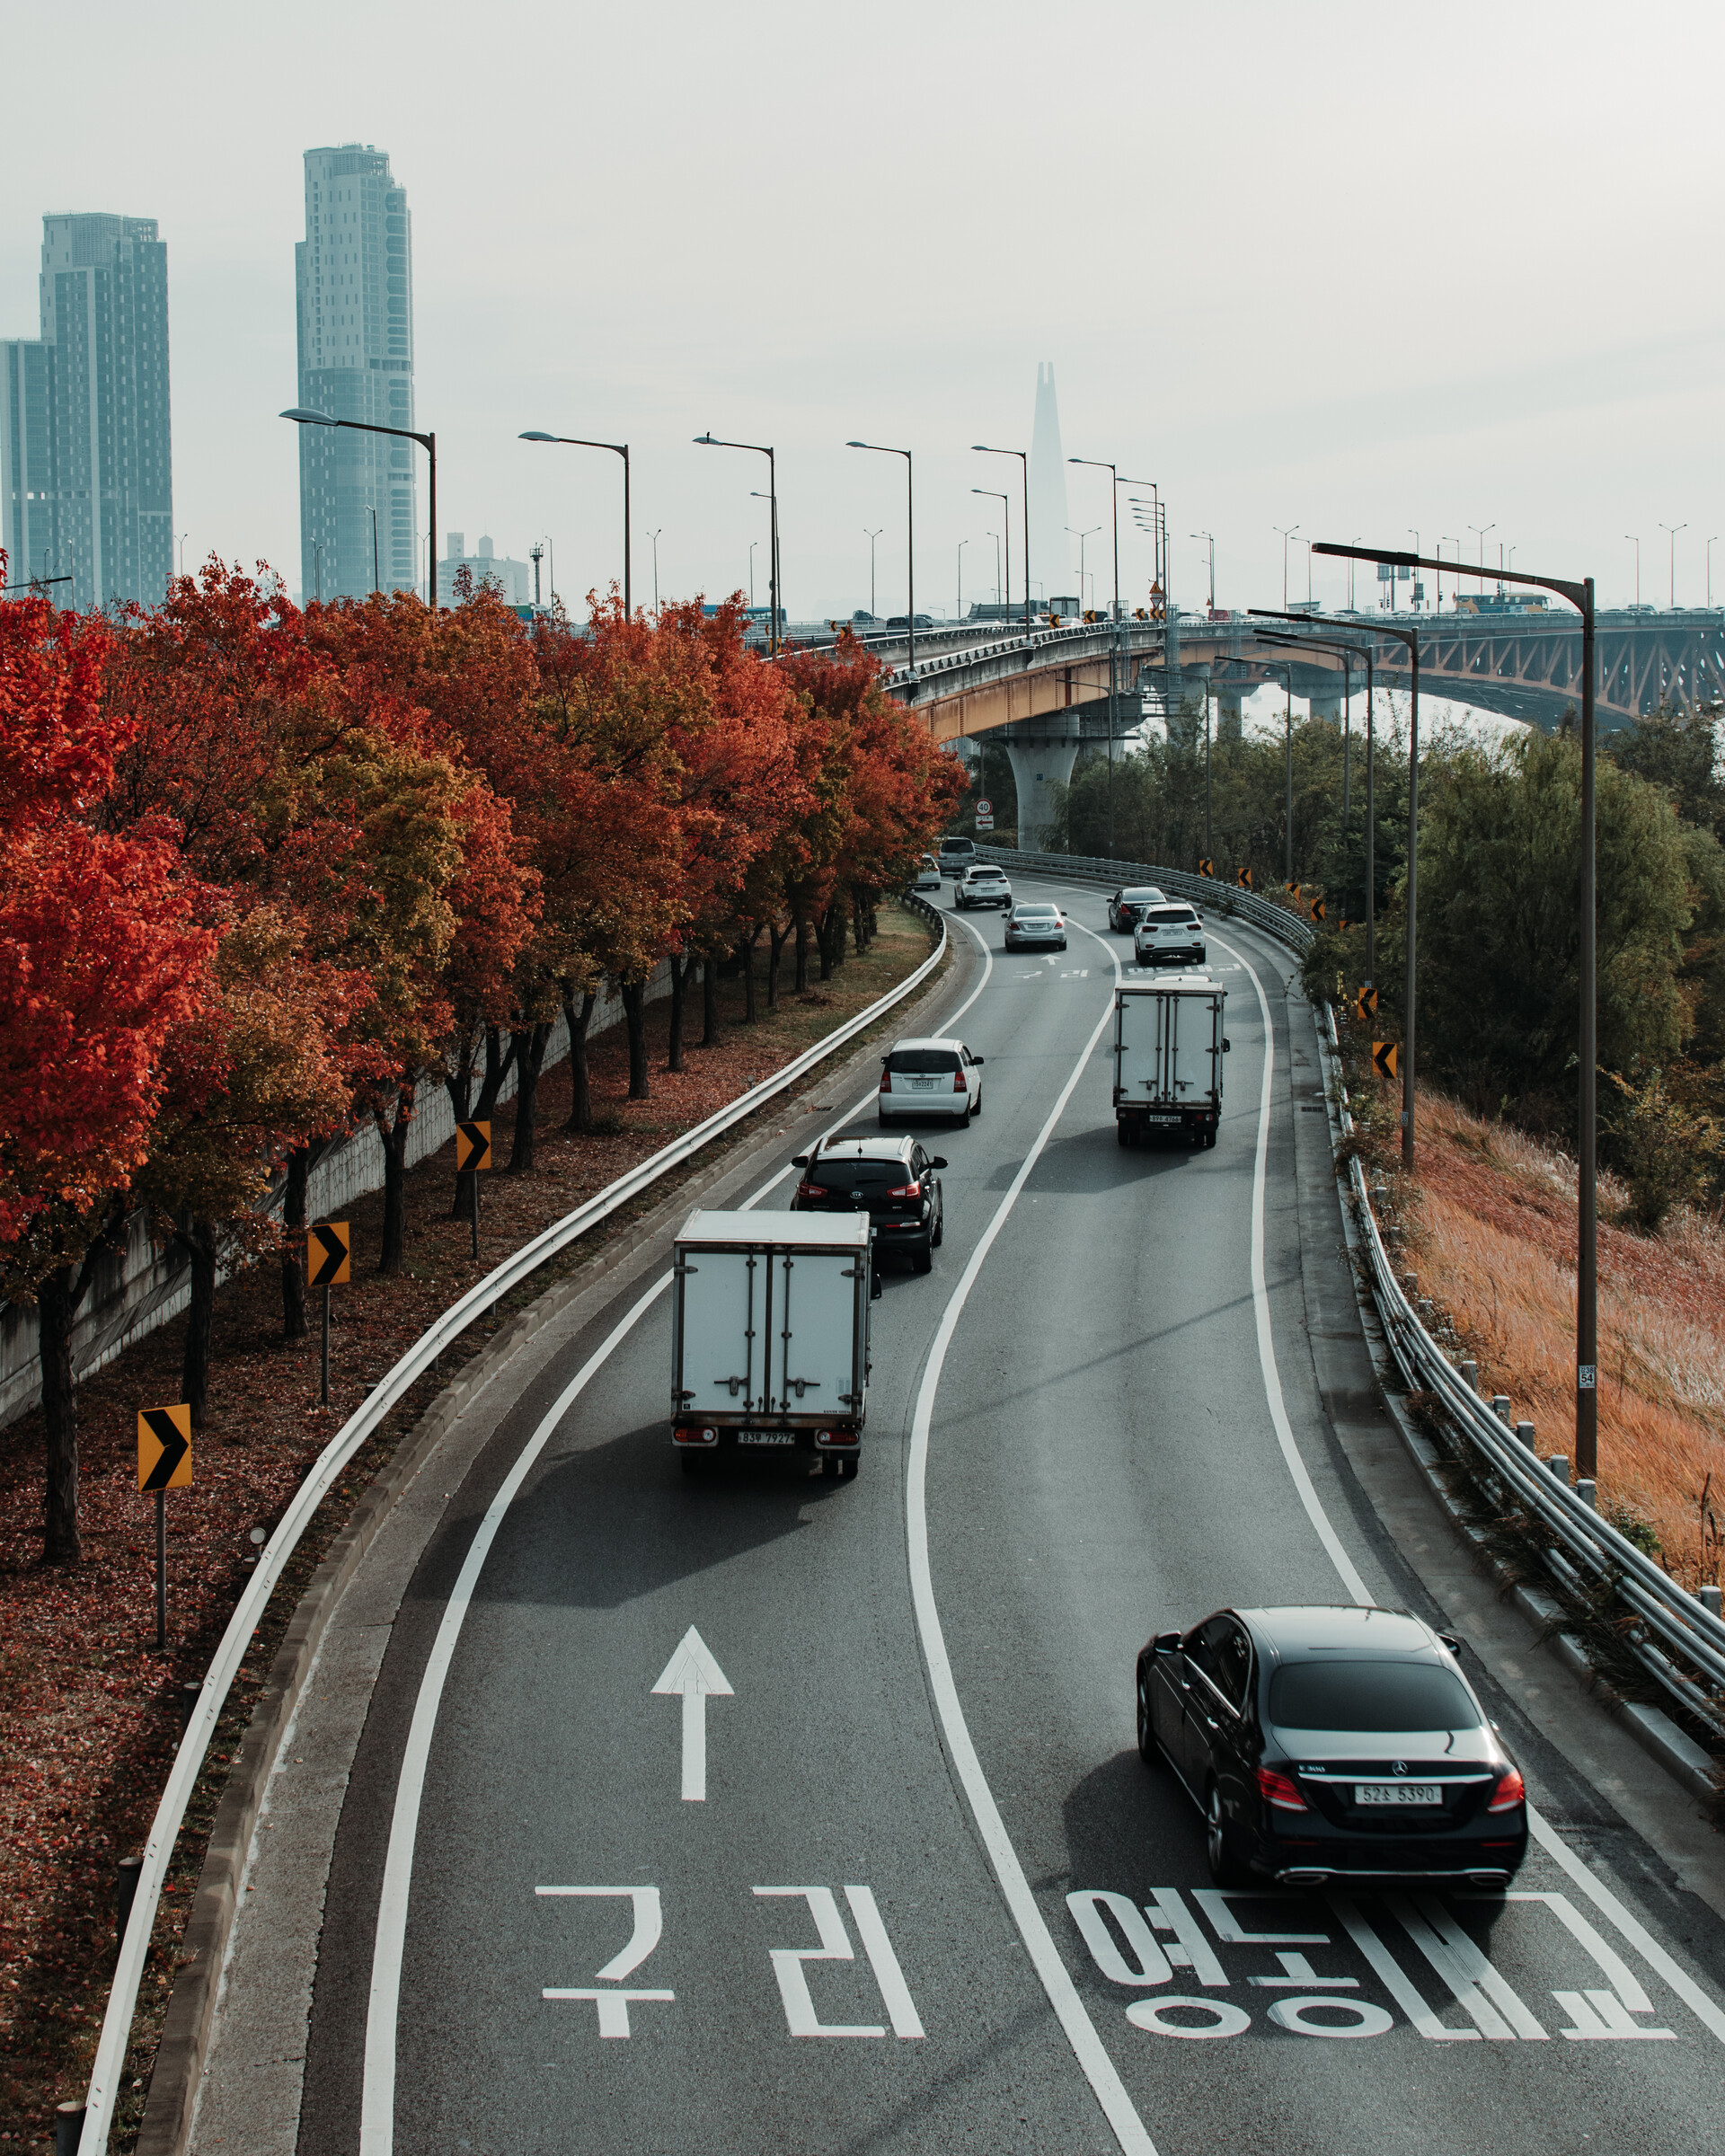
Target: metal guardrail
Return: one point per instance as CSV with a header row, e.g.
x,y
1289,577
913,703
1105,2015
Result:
x,y
1675,1638
330,1466
1279,921
1135,635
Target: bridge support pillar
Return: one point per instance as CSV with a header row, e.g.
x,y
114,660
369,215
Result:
x,y
1228,703
1038,767
1326,704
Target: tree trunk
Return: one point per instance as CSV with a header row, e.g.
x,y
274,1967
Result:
x,y
528,1048
197,1239
710,1005
679,985
580,1105
56,1305
293,1247
802,955
775,936
746,952
497,1063
634,1024
393,1256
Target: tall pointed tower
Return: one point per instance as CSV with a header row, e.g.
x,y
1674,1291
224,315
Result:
x,y
1050,557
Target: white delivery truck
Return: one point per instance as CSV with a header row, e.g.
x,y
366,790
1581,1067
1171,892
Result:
x,y
1168,1051
770,1334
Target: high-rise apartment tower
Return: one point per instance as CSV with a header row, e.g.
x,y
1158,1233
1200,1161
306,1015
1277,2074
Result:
x,y
358,494
85,470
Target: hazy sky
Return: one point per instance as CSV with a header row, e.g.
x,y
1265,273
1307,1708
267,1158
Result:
x,y
1347,267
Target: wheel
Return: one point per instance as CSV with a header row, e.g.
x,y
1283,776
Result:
x,y
829,1466
1122,1133
922,1259
938,1235
884,1118
976,1108
1203,958
691,1464
1210,1139
1147,1750
847,1468
1225,1867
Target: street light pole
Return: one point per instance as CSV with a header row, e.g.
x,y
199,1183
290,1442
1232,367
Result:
x,y
1479,531
962,544
711,441
910,540
1211,537
654,537
620,449
1580,596
1006,501
1674,529
1710,569
301,417
1089,532
871,537
982,449
1287,536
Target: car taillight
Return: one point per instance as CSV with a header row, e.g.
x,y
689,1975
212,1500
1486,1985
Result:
x,y
809,1190
886,1082
1277,1790
1512,1791
957,1081
907,1190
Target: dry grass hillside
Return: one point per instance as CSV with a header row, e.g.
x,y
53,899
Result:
x,y
1494,1227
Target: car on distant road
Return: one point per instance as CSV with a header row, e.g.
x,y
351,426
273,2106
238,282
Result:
x,y
1031,921
929,1077
983,884
893,1181
1332,1744
1125,906
928,874
1167,934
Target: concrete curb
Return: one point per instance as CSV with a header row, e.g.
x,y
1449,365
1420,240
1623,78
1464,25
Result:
x,y
1653,1729
189,2022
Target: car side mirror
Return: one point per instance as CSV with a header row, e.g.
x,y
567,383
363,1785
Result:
x,y
979,1061
799,1160
1227,1046
935,1160
1166,1643
1451,1641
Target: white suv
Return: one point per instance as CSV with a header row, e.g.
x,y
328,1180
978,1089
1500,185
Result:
x,y
1170,932
984,885
930,1077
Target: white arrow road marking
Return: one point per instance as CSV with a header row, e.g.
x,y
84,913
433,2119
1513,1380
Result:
x,y
692,1672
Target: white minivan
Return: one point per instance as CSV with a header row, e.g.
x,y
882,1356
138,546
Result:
x,y
930,1077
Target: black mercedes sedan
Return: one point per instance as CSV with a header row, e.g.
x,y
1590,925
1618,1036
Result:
x,y
1331,1744
893,1181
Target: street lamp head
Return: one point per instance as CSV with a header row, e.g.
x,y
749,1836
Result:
x,y
301,417
705,441
856,445
535,434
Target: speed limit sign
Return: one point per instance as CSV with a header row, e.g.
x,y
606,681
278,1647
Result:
x,y
985,808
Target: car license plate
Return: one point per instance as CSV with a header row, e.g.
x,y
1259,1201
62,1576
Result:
x,y
923,1086
1152,1118
1397,1792
765,1437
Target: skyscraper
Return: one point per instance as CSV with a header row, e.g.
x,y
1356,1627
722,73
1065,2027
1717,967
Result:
x,y
1050,547
354,270
85,469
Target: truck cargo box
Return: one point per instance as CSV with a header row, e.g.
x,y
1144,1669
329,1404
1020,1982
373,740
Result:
x,y
1168,1051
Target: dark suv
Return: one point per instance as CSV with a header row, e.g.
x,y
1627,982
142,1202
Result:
x,y
893,1181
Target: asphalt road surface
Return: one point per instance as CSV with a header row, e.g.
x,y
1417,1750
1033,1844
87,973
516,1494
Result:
x,y
885,1923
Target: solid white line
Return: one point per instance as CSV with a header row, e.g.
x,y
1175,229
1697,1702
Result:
x,y
1315,1511
377,2098
1088,2048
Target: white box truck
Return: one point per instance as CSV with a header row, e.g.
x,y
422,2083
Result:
x,y
770,1334
1168,1050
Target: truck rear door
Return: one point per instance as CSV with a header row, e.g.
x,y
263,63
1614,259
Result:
x,y
815,1360
724,1334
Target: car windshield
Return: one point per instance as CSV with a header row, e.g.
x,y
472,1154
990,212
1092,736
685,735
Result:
x,y
1033,913
988,875
1140,897
923,1063
1370,1697
857,1175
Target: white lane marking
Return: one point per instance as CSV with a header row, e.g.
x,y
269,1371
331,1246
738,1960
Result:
x,y
650,1925
383,2008
901,2009
1296,1469
377,2100
1088,2048
1705,2009
800,2013
692,1672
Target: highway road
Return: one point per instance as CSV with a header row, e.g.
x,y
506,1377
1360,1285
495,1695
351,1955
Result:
x,y
1098,1418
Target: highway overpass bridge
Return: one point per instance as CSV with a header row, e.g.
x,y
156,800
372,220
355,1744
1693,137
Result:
x,y
1042,695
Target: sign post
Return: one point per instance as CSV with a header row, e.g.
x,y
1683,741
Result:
x,y
328,1247
163,1464
472,1153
